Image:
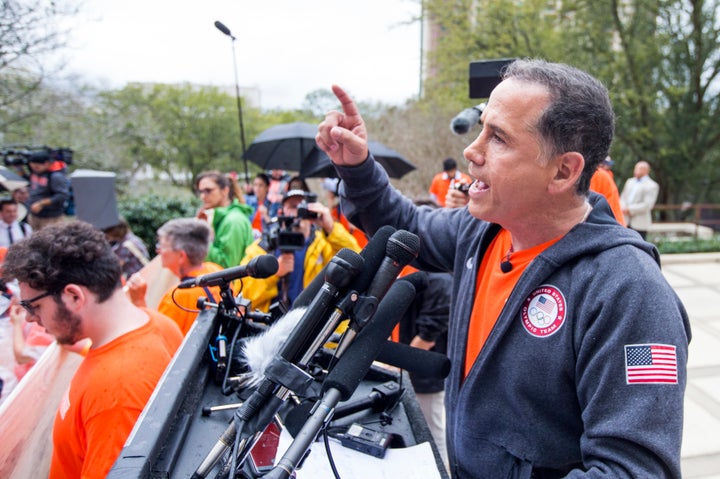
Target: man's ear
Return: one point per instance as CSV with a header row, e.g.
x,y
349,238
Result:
x,y
75,296
569,168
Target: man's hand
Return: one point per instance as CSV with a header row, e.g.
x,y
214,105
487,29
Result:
x,y
324,216
136,289
286,264
342,135
456,198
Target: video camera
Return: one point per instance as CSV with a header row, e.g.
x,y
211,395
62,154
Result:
x,y
15,155
280,233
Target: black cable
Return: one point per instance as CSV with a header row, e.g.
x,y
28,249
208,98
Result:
x,y
172,296
329,453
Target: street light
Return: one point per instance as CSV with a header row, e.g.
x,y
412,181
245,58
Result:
x,y
220,26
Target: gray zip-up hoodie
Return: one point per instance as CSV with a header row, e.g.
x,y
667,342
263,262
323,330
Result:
x,y
567,383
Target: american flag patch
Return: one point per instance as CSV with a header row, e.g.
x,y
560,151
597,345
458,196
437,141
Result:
x,y
546,304
651,364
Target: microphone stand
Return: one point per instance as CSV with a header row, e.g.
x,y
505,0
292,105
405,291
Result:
x,y
227,32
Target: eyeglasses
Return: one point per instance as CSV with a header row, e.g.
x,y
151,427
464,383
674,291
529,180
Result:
x,y
28,303
206,191
160,247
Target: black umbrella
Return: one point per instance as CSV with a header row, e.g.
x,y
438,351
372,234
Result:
x,y
291,146
284,146
318,164
11,180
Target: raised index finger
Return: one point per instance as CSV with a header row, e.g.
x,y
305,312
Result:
x,y
348,105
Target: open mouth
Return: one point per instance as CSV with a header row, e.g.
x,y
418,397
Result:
x,y
479,186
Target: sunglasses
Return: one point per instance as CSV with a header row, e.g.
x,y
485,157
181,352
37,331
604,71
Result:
x,y
28,303
206,191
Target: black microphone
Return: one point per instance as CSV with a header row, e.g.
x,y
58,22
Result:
x,y
402,247
372,255
357,359
258,267
381,396
430,364
339,272
220,26
264,402
342,381
466,119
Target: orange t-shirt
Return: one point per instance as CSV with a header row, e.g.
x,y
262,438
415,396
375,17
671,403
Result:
x,y
603,183
106,395
175,302
441,184
494,288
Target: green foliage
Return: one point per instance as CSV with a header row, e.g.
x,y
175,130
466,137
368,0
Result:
x,y
147,213
668,246
658,59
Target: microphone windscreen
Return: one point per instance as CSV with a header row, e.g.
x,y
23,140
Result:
x,y
373,254
419,279
429,364
262,266
403,246
357,359
465,120
260,350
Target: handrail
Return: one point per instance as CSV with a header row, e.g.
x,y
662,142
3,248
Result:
x,y
704,214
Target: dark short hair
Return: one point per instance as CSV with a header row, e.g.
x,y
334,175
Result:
x,y
449,164
580,116
61,254
264,178
6,200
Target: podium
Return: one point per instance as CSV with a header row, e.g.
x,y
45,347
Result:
x,y
172,437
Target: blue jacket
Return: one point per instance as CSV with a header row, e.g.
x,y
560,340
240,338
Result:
x,y
551,401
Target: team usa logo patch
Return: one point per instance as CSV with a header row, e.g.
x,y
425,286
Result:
x,y
544,311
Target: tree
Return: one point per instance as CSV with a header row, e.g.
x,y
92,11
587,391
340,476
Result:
x,y
178,130
659,60
29,31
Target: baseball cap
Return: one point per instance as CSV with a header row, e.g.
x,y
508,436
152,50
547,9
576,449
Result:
x,y
292,193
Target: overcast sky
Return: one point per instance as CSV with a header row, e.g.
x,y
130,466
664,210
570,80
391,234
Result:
x,y
286,48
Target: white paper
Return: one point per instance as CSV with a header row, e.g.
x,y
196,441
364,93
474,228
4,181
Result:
x,y
417,462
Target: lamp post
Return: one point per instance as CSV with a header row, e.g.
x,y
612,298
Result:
x,y
220,26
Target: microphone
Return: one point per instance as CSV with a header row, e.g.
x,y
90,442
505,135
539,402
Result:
x,y
259,349
258,267
465,120
372,255
357,359
220,26
381,397
338,274
342,381
257,411
415,360
402,247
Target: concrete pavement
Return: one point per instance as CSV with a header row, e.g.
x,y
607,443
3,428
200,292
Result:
x,y
696,279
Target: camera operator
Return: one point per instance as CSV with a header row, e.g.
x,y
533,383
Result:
x,y
304,238
49,190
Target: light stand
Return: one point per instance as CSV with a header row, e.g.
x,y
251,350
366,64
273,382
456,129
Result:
x,y
220,26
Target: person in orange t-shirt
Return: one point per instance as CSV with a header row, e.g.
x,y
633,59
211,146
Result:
x,y
183,243
70,282
442,182
602,182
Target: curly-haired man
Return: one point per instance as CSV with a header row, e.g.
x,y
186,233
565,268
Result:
x,y
70,284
